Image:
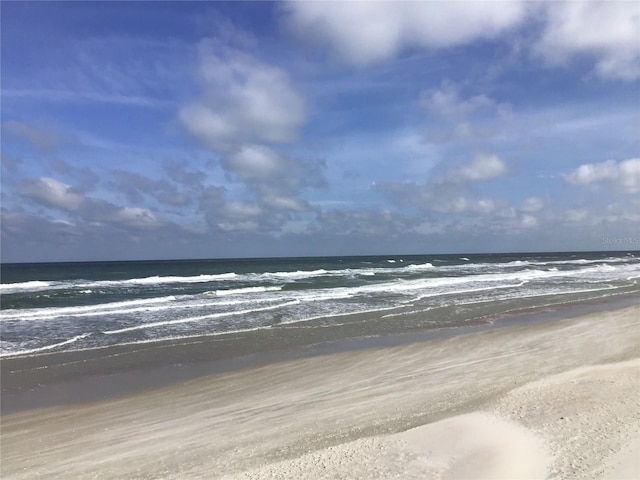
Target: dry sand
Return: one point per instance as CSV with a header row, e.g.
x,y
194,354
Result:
x,y
557,400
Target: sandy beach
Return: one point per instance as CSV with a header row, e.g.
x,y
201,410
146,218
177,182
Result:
x,y
558,399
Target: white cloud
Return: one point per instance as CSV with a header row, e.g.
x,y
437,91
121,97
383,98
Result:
x,y
54,193
576,215
136,187
255,162
359,222
482,167
281,202
609,31
244,100
460,118
274,179
623,176
229,215
446,101
246,106
135,217
58,195
439,197
362,33
528,221
464,205
532,204
242,210
451,192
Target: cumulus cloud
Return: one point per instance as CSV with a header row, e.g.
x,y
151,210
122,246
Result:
x,y
607,31
28,228
228,215
459,203
447,101
362,33
528,221
380,224
532,204
257,164
623,176
134,217
83,178
246,109
136,187
450,192
184,174
274,182
53,193
460,117
482,167
267,214
57,195
129,234
243,100
576,215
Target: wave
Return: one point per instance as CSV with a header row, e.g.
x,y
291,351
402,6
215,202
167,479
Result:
x,y
579,261
258,295
367,270
423,266
470,290
240,291
298,274
46,347
159,280
37,285
109,308
199,318
32,286
240,300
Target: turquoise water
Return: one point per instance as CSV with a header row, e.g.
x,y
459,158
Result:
x,y
64,306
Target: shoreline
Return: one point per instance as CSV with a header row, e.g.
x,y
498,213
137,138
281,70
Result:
x,y
80,376
574,384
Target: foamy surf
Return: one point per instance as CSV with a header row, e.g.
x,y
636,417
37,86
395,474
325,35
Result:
x,y
60,307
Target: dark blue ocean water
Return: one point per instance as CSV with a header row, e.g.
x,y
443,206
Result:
x,y
63,306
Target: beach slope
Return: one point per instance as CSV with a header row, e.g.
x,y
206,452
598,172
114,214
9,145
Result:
x,y
558,399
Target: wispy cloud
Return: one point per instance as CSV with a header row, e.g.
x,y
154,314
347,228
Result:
x,y
80,96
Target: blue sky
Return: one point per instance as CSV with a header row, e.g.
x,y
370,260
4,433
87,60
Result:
x,y
143,130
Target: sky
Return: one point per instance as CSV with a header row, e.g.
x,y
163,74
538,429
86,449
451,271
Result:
x,y
162,130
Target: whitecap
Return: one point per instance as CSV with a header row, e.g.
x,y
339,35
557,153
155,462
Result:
x,y
33,286
239,291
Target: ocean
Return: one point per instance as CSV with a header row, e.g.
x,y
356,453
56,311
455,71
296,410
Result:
x,y
52,307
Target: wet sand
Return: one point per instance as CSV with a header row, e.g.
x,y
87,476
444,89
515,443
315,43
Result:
x,y
557,399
